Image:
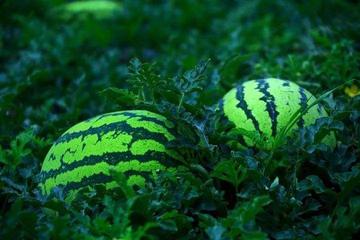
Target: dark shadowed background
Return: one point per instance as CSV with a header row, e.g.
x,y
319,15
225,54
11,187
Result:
x,y
61,64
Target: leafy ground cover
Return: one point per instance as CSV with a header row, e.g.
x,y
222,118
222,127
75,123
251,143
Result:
x,y
178,58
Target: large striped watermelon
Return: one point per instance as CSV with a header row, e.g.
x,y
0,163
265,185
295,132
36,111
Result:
x,y
265,107
132,142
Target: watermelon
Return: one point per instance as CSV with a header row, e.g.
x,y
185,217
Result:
x,y
99,9
261,109
132,142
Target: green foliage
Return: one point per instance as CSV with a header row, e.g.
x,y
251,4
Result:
x,y
57,71
230,171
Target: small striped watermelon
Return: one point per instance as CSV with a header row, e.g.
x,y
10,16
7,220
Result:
x,y
99,9
265,107
132,142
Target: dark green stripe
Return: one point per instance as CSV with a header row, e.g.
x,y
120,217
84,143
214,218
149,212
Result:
x,y
223,118
72,135
100,178
111,159
119,128
269,100
132,114
286,84
303,106
150,119
243,105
